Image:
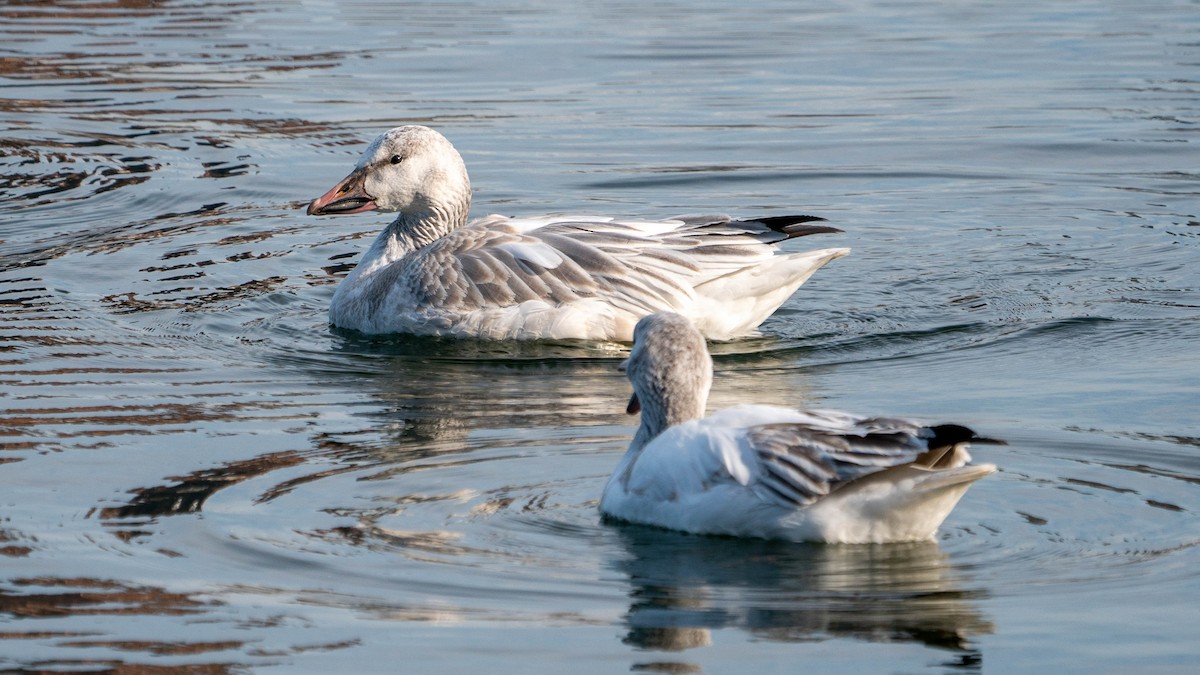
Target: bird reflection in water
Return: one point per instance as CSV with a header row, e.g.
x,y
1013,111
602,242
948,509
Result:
x,y
685,586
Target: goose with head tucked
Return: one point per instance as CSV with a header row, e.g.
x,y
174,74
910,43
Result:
x,y
432,272
774,472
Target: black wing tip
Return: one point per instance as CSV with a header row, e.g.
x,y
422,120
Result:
x,y
952,434
796,225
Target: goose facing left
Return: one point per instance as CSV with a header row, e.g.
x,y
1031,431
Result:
x,y
773,472
432,272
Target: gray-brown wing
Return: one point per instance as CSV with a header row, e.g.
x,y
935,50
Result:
x,y
802,462
676,255
493,263
480,267
636,266
646,266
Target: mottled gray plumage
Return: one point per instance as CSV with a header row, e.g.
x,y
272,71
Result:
x,y
430,271
767,471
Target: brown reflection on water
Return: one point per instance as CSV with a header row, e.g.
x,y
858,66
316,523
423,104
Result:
x,y
11,549
415,544
41,172
159,648
123,90
188,493
684,587
124,303
50,597
92,422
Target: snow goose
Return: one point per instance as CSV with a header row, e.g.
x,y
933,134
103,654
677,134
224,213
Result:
x,y
773,472
431,272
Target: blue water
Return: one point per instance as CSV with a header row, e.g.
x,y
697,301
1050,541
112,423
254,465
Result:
x,y
199,473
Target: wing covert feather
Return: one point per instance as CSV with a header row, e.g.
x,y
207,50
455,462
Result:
x,y
637,266
802,462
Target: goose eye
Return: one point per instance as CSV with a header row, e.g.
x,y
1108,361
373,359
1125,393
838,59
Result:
x,y
396,159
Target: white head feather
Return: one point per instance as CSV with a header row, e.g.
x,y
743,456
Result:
x,y
415,169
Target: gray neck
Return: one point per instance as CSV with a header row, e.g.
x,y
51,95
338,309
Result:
x,y
667,412
414,231
645,434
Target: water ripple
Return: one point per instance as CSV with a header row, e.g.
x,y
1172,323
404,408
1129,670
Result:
x,y
200,473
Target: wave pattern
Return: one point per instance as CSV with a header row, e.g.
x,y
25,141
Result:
x,y
191,454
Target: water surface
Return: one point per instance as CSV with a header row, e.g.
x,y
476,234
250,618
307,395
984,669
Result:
x,y
200,474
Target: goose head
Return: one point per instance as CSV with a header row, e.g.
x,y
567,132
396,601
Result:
x,y
670,370
411,169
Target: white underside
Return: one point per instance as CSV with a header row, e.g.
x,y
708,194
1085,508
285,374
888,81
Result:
x,y
894,509
698,477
